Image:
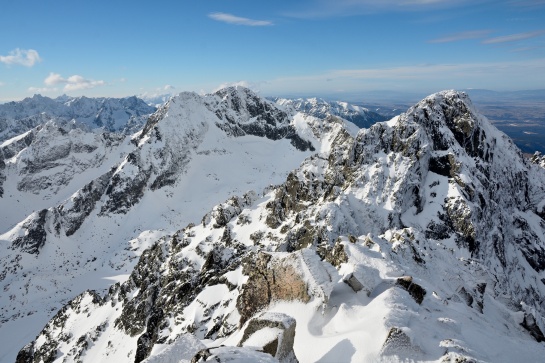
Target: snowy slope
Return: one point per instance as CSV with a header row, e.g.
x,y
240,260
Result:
x,y
49,163
317,107
193,153
418,239
110,114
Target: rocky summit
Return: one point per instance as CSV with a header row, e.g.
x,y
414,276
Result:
x,y
421,238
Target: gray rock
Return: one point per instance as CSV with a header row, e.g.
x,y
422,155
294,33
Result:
x,y
279,345
399,343
232,354
416,291
353,282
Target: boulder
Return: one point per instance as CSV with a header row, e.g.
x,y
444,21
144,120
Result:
x,y
232,354
399,343
273,333
353,282
416,291
277,276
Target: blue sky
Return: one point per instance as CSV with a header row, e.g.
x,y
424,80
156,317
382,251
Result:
x,y
309,47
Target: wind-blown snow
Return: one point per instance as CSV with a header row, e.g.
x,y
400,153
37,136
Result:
x,y
210,167
417,239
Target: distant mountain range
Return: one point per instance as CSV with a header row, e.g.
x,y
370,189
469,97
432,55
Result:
x,y
230,227
126,115
360,116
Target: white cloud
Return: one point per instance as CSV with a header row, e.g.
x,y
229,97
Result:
x,y
54,78
2,84
472,34
514,37
237,20
24,57
168,87
72,83
235,84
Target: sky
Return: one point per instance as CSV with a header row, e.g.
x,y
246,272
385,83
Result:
x,y
320,48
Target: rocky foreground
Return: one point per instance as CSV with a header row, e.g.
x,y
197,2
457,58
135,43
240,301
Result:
x,y
421,238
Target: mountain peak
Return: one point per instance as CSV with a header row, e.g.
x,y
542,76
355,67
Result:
x,y
420,238
449,117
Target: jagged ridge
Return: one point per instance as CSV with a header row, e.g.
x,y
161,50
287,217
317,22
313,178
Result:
x,y
104,225
435,205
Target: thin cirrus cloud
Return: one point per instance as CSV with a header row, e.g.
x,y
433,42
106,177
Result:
x,y
237,20
528,3
23,57
473,34
430,77
514,37
72,83
328,8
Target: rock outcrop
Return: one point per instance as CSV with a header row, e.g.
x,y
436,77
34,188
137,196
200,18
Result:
x,y
434,218
273,333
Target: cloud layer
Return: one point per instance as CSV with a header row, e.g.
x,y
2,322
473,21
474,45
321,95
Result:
x,y
514,37
472,34
328,8
72,83
237,20
426,77
24,57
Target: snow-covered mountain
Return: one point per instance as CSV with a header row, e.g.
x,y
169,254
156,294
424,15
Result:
x,y
418,239
317,107
192,153
125,115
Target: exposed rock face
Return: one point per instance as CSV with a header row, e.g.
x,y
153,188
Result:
x,y
415,290
269,281
100,192
35,235
242,112
529,323
354,283
73,213
398,343
159,159
272,277
2,176
48,352
436,196
274,333
50,156
149,300
10,149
